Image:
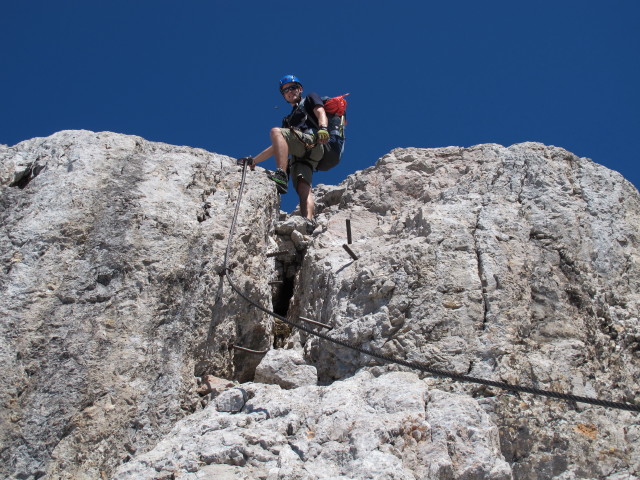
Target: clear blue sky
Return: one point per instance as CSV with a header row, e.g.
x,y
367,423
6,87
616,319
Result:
x,y
421,74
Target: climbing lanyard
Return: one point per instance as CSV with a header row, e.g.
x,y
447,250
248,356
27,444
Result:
x,y
298,134
413,365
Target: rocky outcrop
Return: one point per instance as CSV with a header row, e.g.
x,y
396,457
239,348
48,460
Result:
x,y
286,368
112,305
519,264
364,427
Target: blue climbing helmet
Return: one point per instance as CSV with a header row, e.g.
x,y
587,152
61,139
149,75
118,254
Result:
x,y
289,79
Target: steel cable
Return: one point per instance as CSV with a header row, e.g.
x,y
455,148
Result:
x,y
413,365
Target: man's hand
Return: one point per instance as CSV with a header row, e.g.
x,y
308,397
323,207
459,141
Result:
x,y
248,160
323,136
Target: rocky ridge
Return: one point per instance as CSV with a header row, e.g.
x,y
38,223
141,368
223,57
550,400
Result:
x,y
391,426
113,304
517,264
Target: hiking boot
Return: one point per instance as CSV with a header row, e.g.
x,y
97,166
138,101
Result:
x,y
311,225
281,179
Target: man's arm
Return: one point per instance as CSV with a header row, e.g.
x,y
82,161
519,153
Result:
x,y
263,155
321,115
323,122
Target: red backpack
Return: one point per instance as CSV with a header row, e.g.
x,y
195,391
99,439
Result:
x,y
336,108
336,115
336,105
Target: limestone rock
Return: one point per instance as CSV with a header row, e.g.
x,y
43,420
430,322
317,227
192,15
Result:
x,y
210,384
518,264
232,400
112,303
391,426
286,368
290,225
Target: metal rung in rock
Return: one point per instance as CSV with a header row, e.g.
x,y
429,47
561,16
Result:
x,y
323,325
350,252
257,352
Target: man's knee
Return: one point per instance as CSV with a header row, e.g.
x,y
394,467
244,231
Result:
x,y
276,133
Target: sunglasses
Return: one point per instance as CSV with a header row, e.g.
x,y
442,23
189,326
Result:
x,y
290,89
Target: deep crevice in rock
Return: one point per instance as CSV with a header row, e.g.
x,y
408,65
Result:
x,y
481,275
283,296
292,245
281,300
29,174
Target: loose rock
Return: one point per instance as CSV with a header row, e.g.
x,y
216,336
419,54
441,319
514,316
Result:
x,y
286,368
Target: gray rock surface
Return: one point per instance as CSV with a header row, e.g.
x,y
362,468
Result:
x,y
286,368
519,264
112,304
232,400
364,427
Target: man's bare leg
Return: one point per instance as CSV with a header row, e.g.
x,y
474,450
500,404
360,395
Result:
x,y
280,149
307,205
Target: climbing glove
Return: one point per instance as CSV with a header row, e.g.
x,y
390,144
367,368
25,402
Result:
x,y
323,136
248,160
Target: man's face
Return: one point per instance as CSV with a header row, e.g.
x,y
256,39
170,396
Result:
x,y
291,92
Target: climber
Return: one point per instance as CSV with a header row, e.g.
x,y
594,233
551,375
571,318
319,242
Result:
x,y
300,137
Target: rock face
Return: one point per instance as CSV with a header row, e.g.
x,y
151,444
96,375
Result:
x,y
112,304
519,264
287,368
364,427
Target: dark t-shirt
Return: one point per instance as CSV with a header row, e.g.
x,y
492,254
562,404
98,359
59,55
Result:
x,y
299,116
